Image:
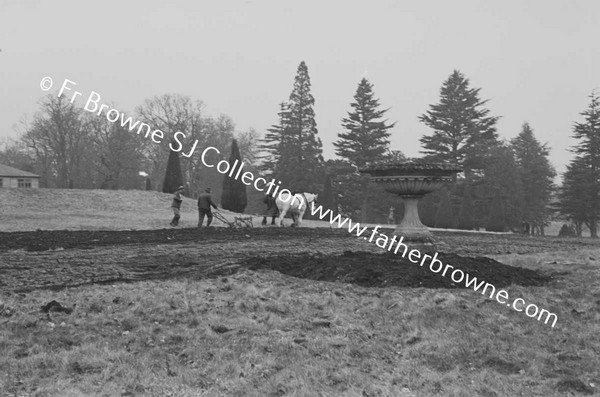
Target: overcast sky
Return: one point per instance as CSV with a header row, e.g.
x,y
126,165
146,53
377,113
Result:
x,y
536,61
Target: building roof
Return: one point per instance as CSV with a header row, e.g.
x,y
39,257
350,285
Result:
x,y
6,171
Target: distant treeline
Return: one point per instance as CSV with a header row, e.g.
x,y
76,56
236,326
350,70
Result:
x,y
505,184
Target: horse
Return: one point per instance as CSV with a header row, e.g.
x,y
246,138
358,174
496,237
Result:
x,y
294,204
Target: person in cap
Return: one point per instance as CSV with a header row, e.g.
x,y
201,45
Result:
x,y
271,211
176,205
204,204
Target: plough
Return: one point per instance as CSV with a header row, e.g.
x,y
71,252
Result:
x,y
238,221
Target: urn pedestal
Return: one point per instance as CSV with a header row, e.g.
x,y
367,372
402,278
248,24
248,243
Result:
x,y
412,180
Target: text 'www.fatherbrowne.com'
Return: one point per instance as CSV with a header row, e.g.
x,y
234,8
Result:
x,y
435,265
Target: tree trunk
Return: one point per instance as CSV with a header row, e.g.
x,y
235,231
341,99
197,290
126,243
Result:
x,y
364,204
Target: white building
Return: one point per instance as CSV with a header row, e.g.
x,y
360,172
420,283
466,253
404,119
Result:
x,y
13,178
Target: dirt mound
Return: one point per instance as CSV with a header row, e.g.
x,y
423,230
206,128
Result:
x,y
381,270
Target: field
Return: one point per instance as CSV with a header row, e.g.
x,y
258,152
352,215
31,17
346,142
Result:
x,y
145,310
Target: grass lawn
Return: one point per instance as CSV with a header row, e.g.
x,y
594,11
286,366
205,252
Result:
x,y
84,209
263,333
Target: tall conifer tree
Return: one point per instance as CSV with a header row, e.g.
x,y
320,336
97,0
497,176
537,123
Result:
x,y
366,136
500,178
573,194
300,156
588,159
463,131
536,176
273,142
233,197
173,175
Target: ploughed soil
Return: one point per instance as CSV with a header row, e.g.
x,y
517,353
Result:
x,y
381,270
43,240
463,243
59,259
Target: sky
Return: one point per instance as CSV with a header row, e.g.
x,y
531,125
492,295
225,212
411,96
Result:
x,y
535,61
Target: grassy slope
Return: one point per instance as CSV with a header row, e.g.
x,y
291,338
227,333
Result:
x,y
57,209
79,209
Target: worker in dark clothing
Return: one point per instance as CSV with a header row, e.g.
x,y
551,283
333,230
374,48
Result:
x,y
271,211
176,205
204,204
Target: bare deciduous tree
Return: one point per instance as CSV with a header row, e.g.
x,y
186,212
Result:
x,y
59,139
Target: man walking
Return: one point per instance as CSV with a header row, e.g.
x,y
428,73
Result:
x,y
271,210
176,205
204,204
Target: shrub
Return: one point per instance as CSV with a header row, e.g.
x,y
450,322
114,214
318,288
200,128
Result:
x,y
567,231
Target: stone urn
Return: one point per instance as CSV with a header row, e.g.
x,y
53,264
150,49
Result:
x,y
412,180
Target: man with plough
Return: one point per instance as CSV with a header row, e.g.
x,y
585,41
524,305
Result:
x,y
204,204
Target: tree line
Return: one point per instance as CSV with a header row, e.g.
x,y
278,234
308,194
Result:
x,y
71,148
505,183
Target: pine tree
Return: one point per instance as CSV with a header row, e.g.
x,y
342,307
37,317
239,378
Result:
x,y
300,158
366,138
445,217
573,195
173,175
496,218
233,196
536,177
463,131
588,151
272,144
